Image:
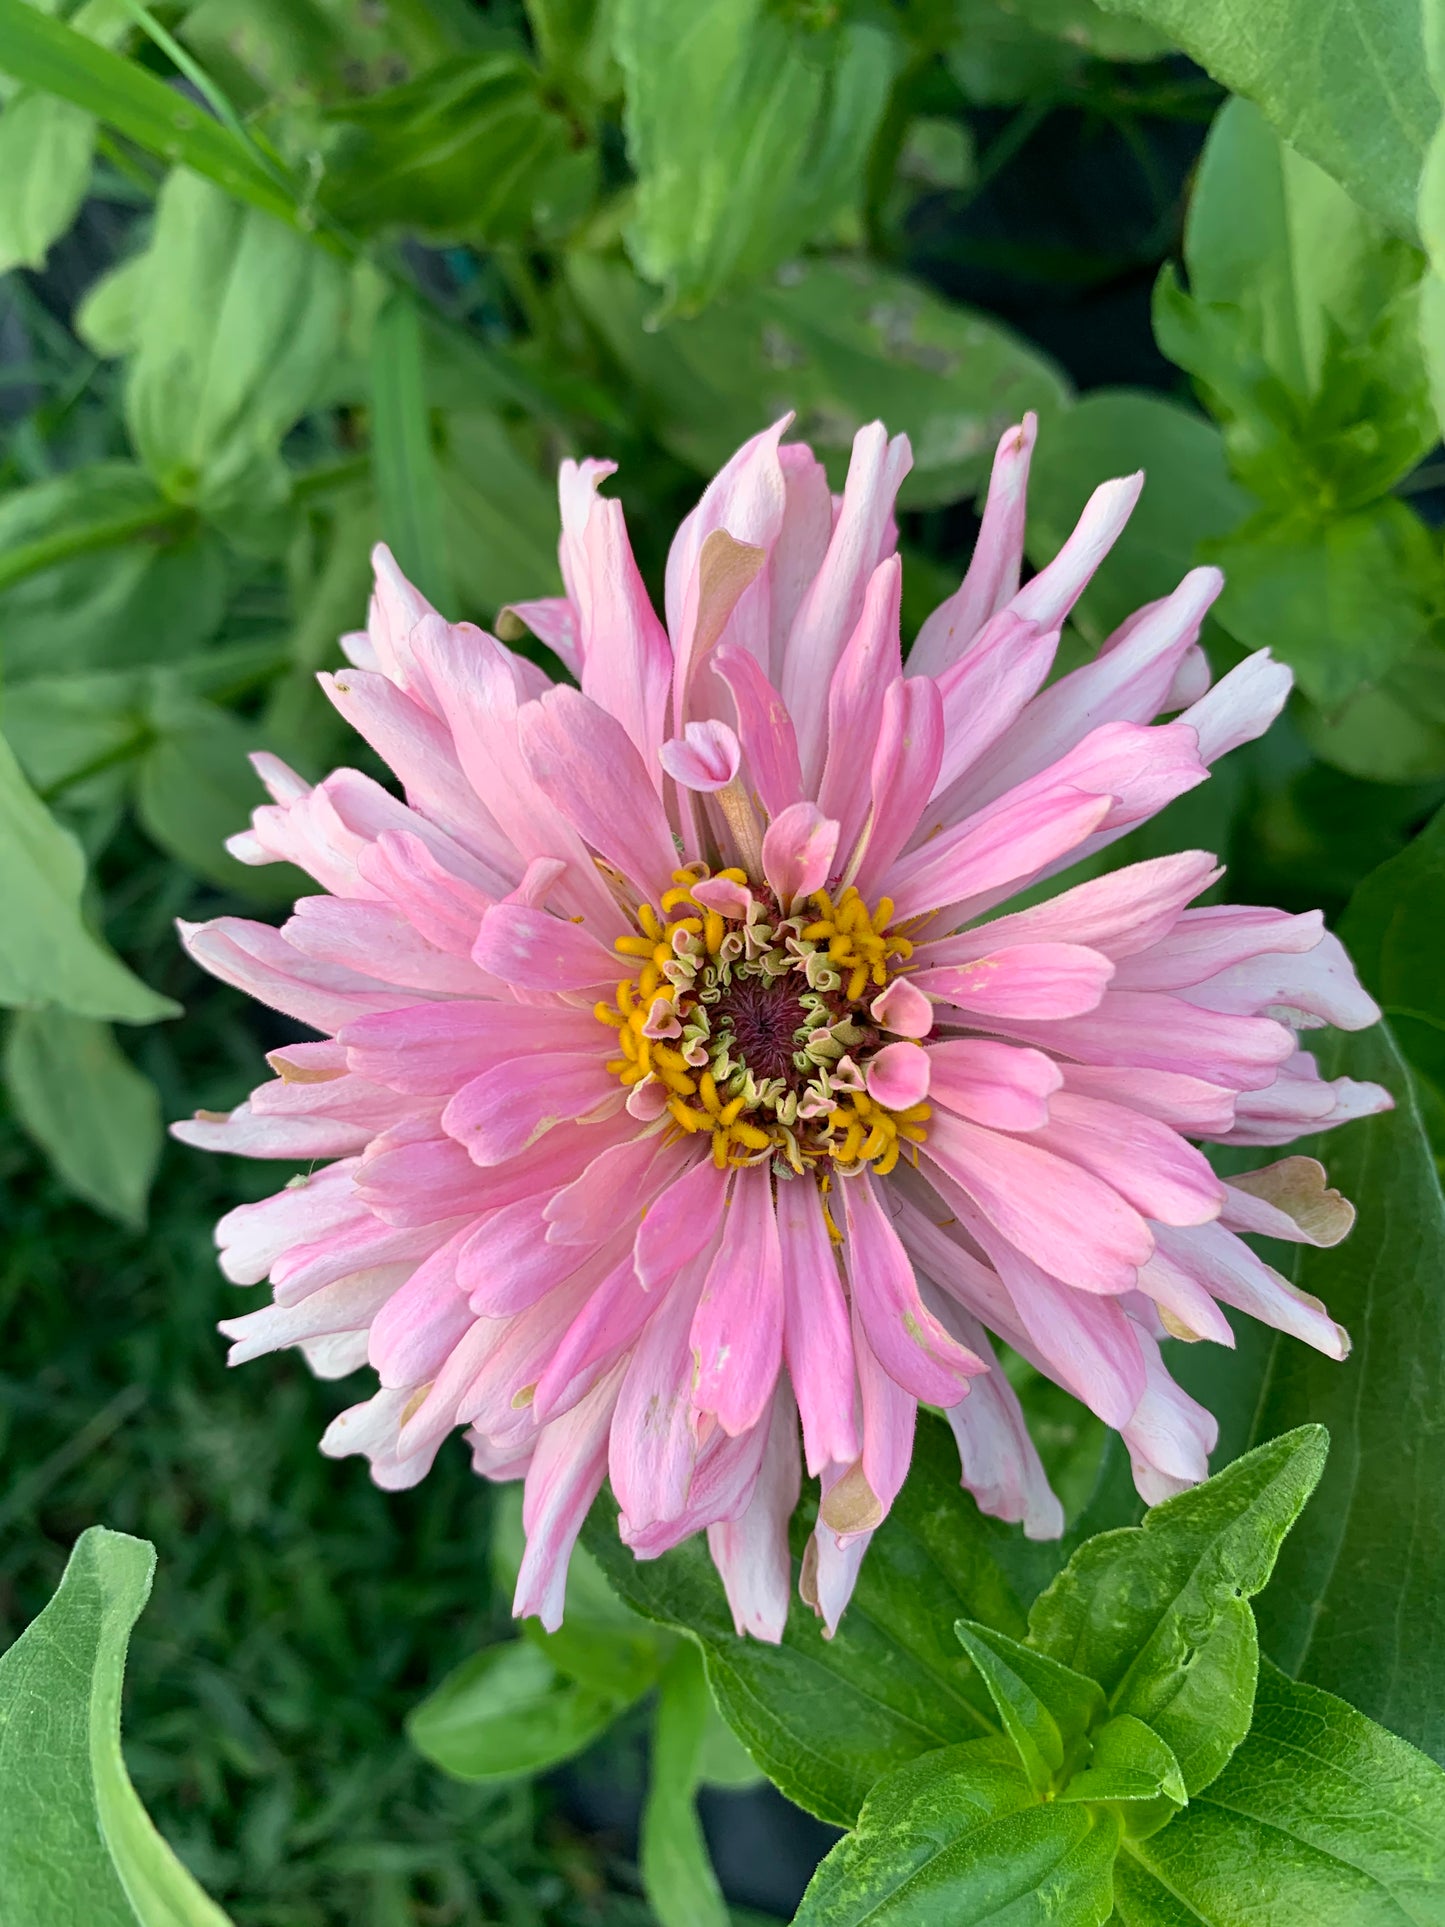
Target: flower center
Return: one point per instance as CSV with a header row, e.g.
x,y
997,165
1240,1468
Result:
x,y
757,1027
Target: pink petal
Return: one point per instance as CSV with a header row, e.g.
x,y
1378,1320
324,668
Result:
x,y
551,619
871,661
994,1084
906,1338
1009,844
751,1552
1240,706
1067,1221
903,1009
1154,1031
817,1342
433,1049
1318,988
897,1075
251,1237
583,760
1052,593
378,939
615,1190
765,729
653,1448
904,770
798,851
1192,1313
504,1110
704,758
1044,980
1206,941
414,1332
1231,1272
1169,1436
348,1305
608,1321
626,656
534,950
984,693
257,959
565,1476
993,573
737,1331
863,534
1148,1164
1188,1104
682,1222
746,500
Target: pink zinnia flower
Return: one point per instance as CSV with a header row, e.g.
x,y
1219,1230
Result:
x,y
687,1089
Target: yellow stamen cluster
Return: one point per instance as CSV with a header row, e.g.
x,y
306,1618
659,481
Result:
x,y
869,1134
858,941
691,960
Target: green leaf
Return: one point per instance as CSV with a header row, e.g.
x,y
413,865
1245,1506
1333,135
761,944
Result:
x,y
1130,1764
471,149
1158,1614
499,515
1321,1819
1345,84
97,571
75,1842
1393,733
825,1718
403,463
1301,324
194,787
1045,1708
1395,926
1342,602
1357,1607
47,954
87,1107
54,59
677,1875
841,343
748,131
506,1713
238,321
45,148
956,1836
1189,496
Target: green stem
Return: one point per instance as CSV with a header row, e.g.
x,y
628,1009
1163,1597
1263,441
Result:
x,y
30,558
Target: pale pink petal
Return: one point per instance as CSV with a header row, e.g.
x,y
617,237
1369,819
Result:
x,y
999,1085
504,1110
625,655
533,950
903,1009
1240,706
817,1340
614,1189
904,770
372,1430
566,1473
348,1305
897,1075
551,619
653,1447
1229,1271
1045,980
1069,1222
906,1338
798,851
764,727
1156,1170
378,938
1169,1436
1158,1032
433,1049
1185,1308
257,959
871,661
1319,987
682,1222
863,534
983,694
751,1552
1007,846
251,1237
993,573
1052,593
704,758
737,1331
414,1332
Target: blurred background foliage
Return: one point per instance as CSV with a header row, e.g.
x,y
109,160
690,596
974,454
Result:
x,y
281,277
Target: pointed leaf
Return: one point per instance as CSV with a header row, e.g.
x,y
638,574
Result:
x,y
1159,1613
677,1874
1131,1764
506,1713
958,1836
1045,1708
75,1842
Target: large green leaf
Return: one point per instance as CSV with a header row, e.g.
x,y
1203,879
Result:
x,y
1159,1614
839,342
91,1111
47,953
1396,926
825,1718
1345,83
1189,496
45,148
748,131
75,1842
958,1836
1321,1819
1358,1607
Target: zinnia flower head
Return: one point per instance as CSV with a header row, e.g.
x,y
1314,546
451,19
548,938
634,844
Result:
x,y
692,1091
